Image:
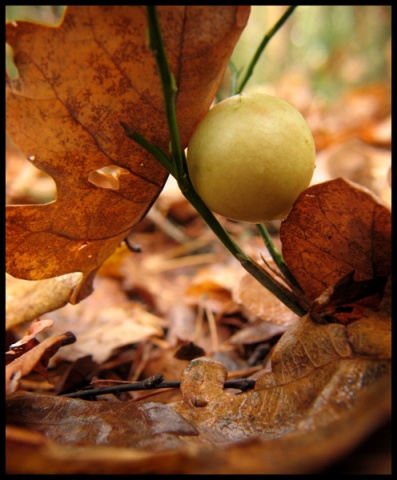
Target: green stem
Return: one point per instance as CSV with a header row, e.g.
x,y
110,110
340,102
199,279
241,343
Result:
x,y
155,151
262,46
234,77
168,84
179,170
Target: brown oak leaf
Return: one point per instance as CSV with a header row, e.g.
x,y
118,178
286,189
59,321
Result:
x,y
76,83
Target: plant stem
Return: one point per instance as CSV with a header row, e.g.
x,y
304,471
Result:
x,y
155,151
179,168
262,46
168,84
234,77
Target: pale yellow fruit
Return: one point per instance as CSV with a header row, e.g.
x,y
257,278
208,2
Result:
x,y
250,157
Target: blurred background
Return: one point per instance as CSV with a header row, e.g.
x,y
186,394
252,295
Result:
x,y
333,46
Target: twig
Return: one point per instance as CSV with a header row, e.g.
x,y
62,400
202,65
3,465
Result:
x,y
154,382
262,46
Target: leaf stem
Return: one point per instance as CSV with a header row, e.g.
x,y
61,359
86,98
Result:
x,y
155,151
269,35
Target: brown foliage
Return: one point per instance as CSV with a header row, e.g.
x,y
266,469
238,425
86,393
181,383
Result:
x,y
29,354
323,376
336,228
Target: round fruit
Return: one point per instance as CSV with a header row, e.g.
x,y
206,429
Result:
x,y
250,157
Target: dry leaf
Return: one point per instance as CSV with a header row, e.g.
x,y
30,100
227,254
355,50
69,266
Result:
x,y
347,291
28,341
313,367
257,333
335,228
76,83
106,423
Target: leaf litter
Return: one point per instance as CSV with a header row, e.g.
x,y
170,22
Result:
x,y
311,378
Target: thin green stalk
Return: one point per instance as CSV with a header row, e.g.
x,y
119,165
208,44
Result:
x,y
251,267
179,170
234,77
262,46
168,84
155,151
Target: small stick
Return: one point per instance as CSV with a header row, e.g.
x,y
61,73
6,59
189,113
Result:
x,y
156,381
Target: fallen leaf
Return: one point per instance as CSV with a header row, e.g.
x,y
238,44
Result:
x,y
188,351
215,295
105,321
38,451
257,333
76,82
77,375
347,291
313,367
101,423
334,228
360,163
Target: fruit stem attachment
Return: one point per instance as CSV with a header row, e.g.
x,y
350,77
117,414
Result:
x,y
265,41
178,168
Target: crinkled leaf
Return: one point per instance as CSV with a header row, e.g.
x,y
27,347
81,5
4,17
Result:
x,y
28,341
117,424
335,228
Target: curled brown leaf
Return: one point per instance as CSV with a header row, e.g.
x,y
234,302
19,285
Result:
x,y
334,228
